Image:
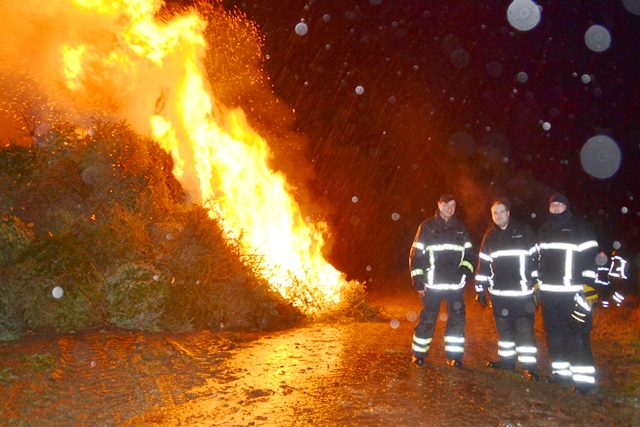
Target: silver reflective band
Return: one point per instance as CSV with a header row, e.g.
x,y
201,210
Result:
x,y
445,247
582,302
584,379
446,286
560,288
570,246
561,365
485,257
422,341
580,317
510,293
583,369
527,359
527,349
618,298
420,345
510,252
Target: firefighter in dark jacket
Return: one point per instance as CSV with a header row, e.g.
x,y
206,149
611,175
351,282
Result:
x,y
508,256
440,261
566,275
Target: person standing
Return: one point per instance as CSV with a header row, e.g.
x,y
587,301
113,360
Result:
x,y
610,276
568,248
440,261
508,256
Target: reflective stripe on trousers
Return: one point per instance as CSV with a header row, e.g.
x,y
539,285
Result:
x,y
421,345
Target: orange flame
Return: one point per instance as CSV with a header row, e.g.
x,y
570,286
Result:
x,y
118,57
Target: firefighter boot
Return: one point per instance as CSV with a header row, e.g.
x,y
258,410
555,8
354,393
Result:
x,y
558,379
455,363
583,388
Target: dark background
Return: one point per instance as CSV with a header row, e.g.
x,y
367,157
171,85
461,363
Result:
x,y
443,110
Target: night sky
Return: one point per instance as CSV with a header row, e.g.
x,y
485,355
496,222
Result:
x,y
391,103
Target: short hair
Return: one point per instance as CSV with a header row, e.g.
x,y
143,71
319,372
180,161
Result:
x,y
446,198
502,201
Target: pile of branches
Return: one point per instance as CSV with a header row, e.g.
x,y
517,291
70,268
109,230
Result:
x,y
95,230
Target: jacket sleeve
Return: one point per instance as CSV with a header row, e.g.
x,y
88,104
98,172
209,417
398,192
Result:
x,y
469,258
418,260
531,266
588,251
483,271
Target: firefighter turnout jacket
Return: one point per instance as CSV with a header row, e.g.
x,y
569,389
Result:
x,y
441,256
567,255
507,259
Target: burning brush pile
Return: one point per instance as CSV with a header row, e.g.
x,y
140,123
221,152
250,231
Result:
x,y
193,227
94,230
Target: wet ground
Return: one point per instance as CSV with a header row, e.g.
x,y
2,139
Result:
x,y
351,374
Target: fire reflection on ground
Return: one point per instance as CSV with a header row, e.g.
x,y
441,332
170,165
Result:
x,y
271,374
338,374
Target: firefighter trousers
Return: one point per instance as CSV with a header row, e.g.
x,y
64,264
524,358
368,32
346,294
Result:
x,y
570,349
514,318
456,322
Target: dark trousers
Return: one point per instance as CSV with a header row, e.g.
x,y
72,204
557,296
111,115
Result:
x,y
566,345
456,321
514,317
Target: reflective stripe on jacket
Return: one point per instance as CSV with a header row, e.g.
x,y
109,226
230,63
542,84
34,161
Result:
x,y
567,255
507,259
438,250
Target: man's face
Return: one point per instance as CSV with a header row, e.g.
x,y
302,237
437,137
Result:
x,y
557,207
447,209
500,215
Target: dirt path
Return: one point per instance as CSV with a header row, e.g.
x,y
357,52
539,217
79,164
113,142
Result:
x,y
331,375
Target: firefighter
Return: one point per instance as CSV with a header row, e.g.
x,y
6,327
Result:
x,y
508,256
611,277
440,261
566,277
602,278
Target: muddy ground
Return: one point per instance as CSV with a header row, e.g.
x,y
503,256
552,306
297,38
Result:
x,y
347,374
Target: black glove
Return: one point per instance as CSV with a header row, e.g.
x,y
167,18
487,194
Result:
x,y
481,297
581,313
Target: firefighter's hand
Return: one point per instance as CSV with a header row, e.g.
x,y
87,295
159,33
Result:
x,y
581,313
421,294
481,297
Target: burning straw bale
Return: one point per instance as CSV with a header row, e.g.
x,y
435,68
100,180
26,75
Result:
x,y
108,224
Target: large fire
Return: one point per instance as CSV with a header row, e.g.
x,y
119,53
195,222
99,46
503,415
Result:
x,y
119,58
